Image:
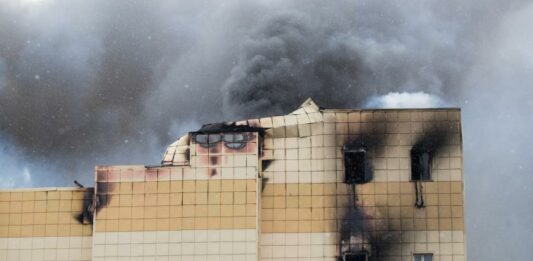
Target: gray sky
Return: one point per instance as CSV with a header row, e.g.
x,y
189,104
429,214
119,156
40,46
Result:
x,y
112,82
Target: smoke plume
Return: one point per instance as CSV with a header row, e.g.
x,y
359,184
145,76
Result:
x,y
405,100
112,82
15,172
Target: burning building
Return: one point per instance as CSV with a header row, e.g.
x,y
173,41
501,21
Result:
x,y
316,184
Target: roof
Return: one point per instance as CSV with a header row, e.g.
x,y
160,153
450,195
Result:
x,y
308,112
227,127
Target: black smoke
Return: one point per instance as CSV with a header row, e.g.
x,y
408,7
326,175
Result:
x,y
359,235
112,82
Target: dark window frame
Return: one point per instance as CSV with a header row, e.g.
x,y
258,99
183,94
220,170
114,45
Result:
x,y
421,165
355,165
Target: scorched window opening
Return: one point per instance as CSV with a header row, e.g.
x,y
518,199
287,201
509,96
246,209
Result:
x,y
355,257
355,169
231,140
420,165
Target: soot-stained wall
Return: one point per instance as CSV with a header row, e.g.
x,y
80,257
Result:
x,y
267,189
307,211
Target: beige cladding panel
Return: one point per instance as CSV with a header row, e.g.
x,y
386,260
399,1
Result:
x,y
205,210
179,205
444,245
301,164
44,213
213,162
199,244
317,158
218,191
178,198
387,206
305,197
71,248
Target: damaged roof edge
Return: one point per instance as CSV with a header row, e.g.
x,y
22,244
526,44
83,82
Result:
x,y
393,109
308,106
227,127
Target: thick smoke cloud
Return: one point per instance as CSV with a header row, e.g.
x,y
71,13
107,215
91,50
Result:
x,y
111,82
344,53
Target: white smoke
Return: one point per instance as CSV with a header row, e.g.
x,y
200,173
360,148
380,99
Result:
x,y
405,100
15,170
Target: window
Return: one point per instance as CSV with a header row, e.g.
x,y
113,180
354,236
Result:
x,y
355,257
420,165
423,257
355,170
207,140
235,140
231,140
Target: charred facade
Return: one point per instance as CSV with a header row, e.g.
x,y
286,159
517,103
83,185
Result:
x,y
316,184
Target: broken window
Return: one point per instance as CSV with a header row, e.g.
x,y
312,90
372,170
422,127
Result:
x,y
355,170
207,140
420,165
231,140
422,257
235,140
355,257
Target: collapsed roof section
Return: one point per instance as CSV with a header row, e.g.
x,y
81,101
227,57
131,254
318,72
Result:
x,y
292,125
177,153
